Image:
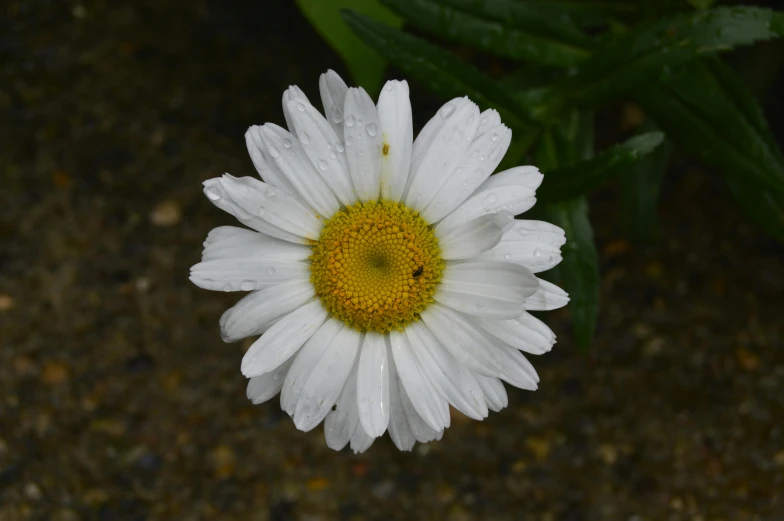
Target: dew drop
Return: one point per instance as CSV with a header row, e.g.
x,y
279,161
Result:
x,y
213,193
339,147
305,138
270,192
490,199
274,152
537,252
300,107
371,129
270,271
447,110
227,287
336,115
207,283
507,256
494,137
350,121
349,140
389,87
322,165
332,154
247,285
261,211
287,143
329,147
359,122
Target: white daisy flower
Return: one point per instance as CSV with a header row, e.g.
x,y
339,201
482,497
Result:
x,y
388,278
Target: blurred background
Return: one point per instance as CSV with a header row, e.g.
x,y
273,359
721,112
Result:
x,y
119,401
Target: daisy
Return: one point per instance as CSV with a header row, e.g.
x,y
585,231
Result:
x,y
388,277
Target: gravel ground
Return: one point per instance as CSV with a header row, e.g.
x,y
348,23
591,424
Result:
x,y
118,400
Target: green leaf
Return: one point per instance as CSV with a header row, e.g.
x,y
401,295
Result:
x,y
571,140
437,69
640,194
366,67
579,268
547,13
540,40
709,113
706,111
653,52
579,178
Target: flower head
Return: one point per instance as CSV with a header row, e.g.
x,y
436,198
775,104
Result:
x,y
388,277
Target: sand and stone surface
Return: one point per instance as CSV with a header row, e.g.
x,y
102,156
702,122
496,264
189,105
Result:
x,y
119,401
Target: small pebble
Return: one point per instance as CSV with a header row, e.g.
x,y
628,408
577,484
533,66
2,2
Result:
x,y
166,213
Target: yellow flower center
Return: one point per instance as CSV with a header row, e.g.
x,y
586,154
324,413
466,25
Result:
x,y
376,265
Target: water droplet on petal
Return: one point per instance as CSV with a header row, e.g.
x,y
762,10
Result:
x,y
490,199
322,165
274,152
213,193
537,252
389,87
227,287
371,129
271,271
494,137
300,107
305,138
359,122
336,115
350,121
339,146
270,192
507,256
207,283
447,110
287,143
349,140
261,211
247,285
332,154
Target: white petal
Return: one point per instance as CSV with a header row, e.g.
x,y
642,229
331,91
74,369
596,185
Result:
x,y
526,333
245,274
547,297
373,385
517,371
455,382
446,149
465,341
305,361
333,96
470,239
528,176
399,430
487,120
360,441
260,309
533,244
262,388
510,190
324,149
340,424
265,165
486,288
293,93
272,205
327,379
425,399
480,160
215,192
420,430
283,339
494,392
231,242
286,152
361,130
397,134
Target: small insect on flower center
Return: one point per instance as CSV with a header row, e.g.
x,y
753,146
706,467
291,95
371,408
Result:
x,y
376,266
